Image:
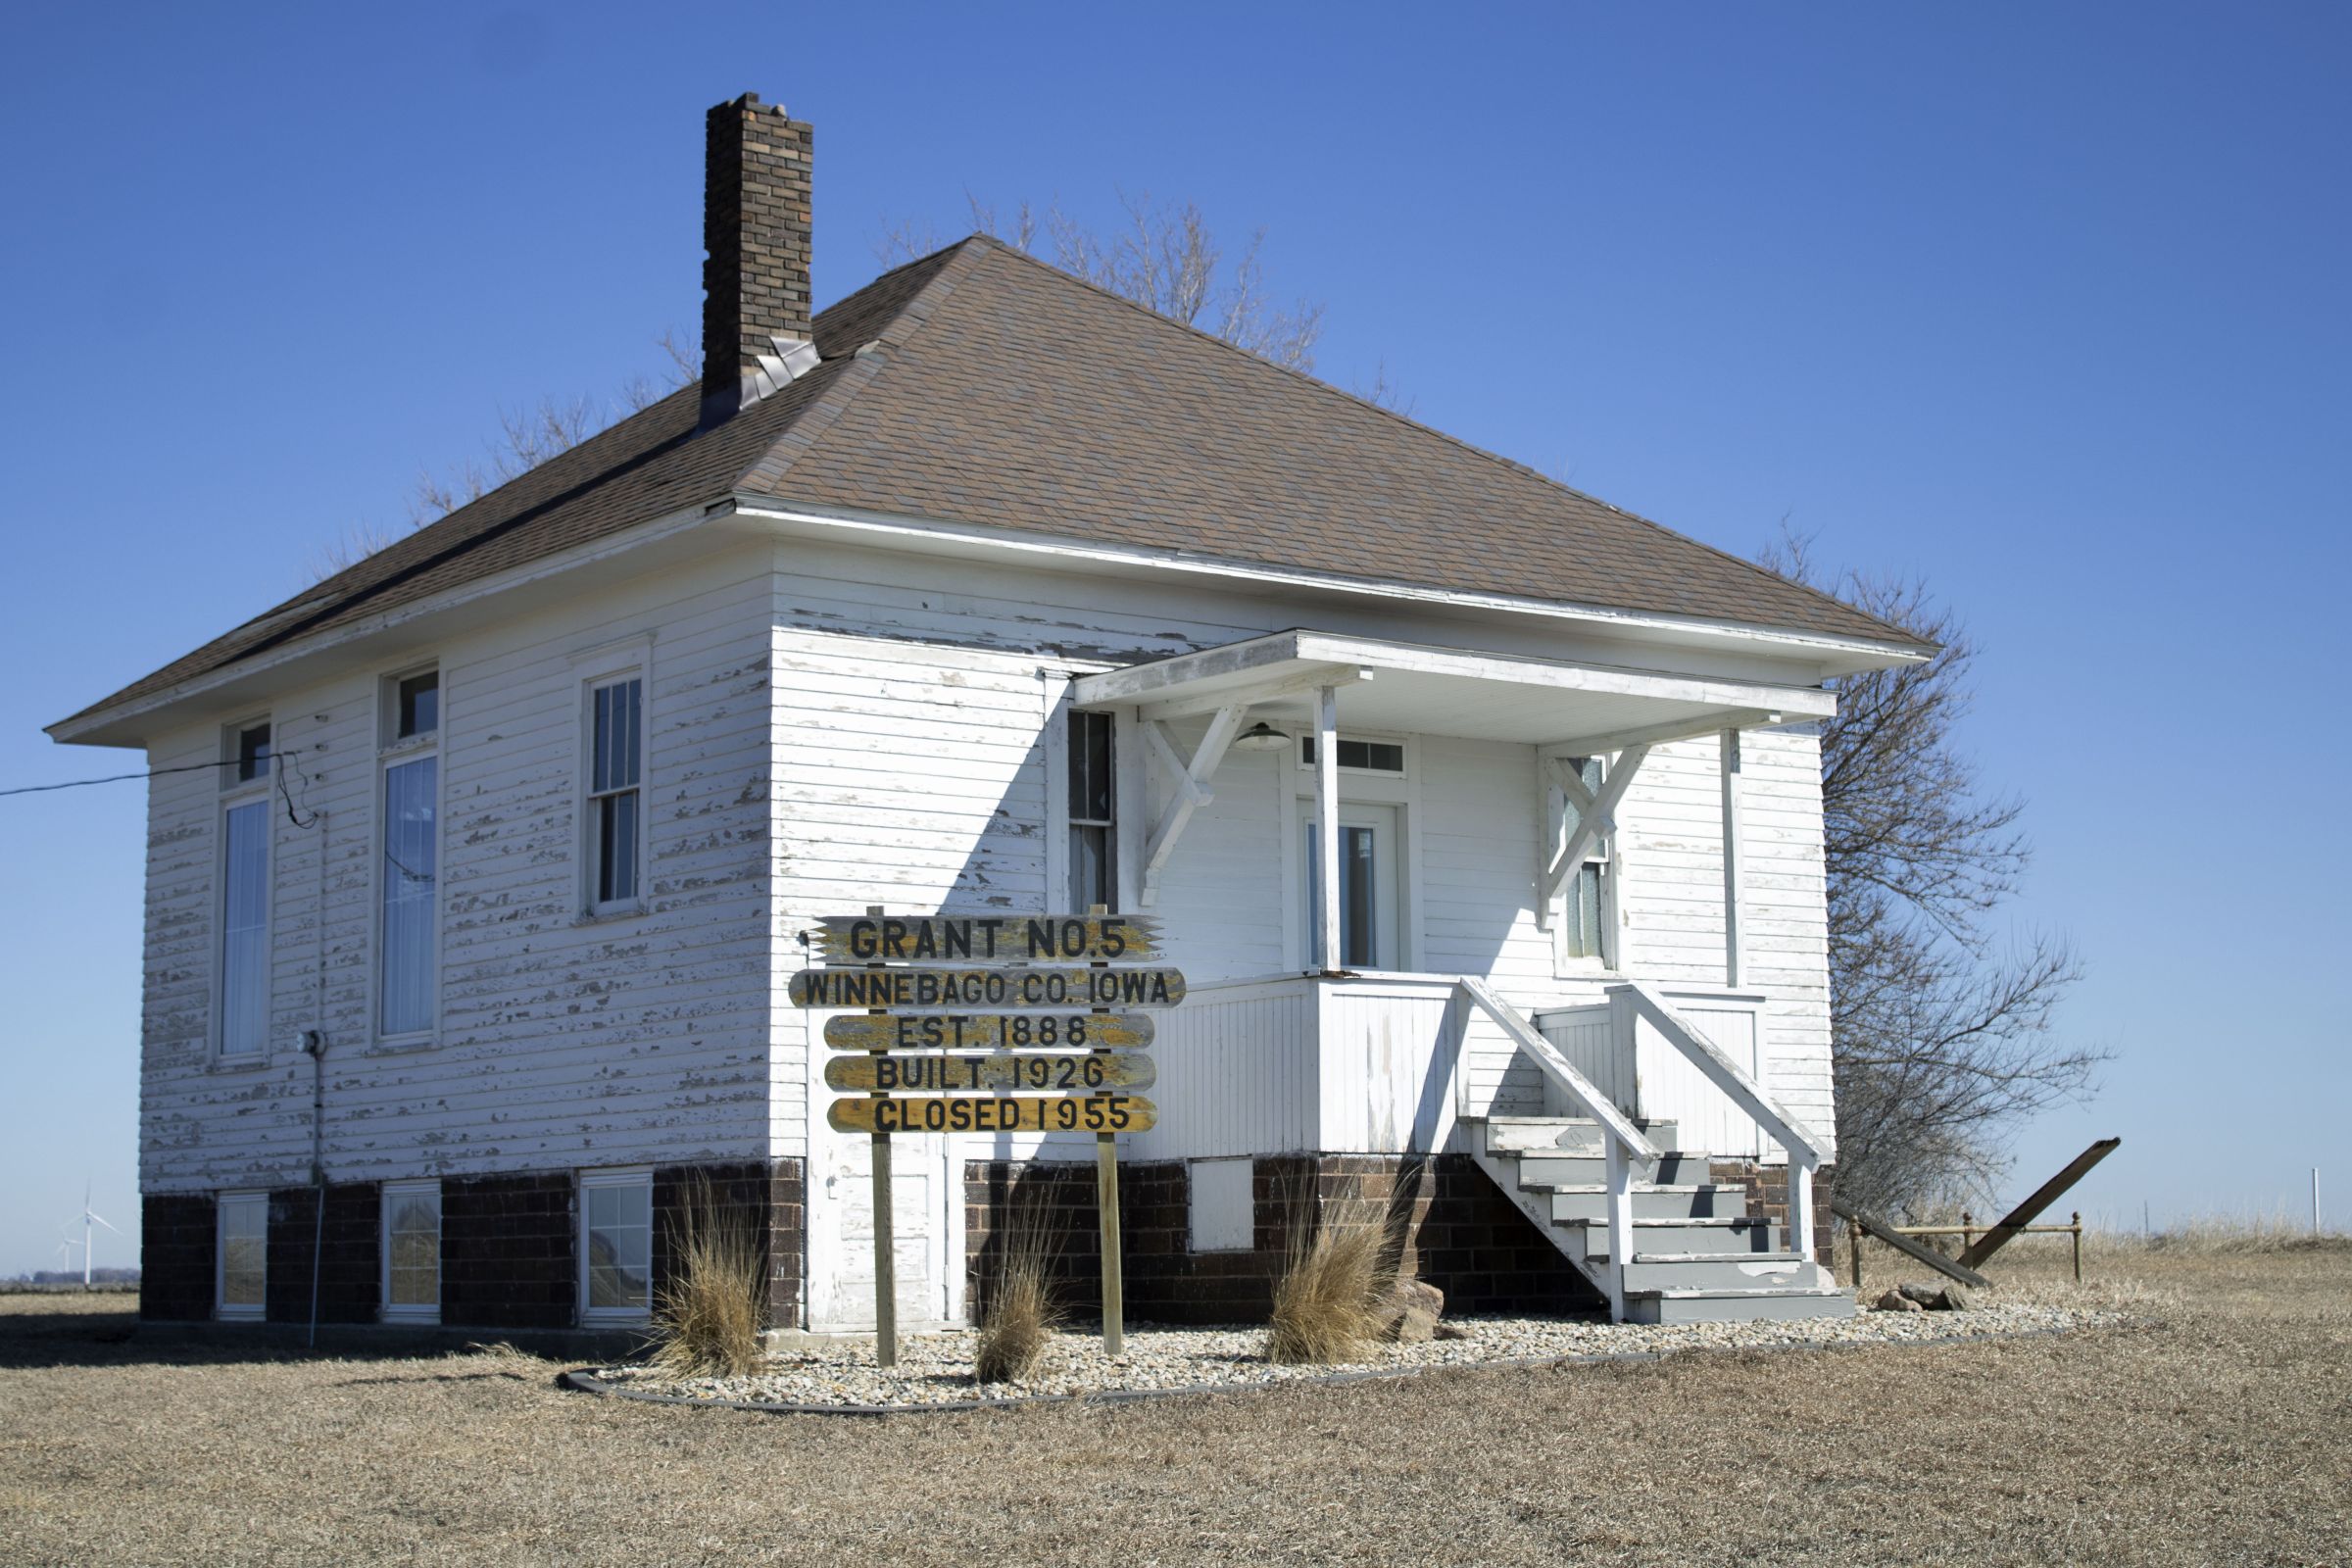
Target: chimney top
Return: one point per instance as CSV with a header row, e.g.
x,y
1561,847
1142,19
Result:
x,y
756,333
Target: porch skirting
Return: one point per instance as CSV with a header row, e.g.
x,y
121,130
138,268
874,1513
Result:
x,y
1447,1221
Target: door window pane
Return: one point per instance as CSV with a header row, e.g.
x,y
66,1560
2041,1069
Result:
x,y
1358,888
411,850
618,1222
245,929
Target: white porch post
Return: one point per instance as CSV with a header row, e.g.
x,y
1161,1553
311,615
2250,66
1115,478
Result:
x,y
1734,960
1327,825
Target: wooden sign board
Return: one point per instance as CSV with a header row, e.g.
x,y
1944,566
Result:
x,y
995,990
989,1031
986,939
1090,1113
1001,1073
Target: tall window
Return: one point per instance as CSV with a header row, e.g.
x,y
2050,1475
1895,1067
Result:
x,y
252,761
617,1244
616,763
413,1251
1094,814
412,837
245,928
1580,923
244,1254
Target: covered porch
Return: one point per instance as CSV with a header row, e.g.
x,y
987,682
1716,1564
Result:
x,y
1376,1038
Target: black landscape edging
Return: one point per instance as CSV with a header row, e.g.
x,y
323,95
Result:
x,y
584,1380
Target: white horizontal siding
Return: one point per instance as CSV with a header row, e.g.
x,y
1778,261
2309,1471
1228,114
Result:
x,y
560,1041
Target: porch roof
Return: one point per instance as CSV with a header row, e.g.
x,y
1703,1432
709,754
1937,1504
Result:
x,y
1576,708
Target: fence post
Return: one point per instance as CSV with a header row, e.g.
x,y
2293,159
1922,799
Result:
x,y
2078,1229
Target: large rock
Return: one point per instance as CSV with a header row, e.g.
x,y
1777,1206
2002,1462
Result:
x,y
1411,1312
1895,1301
1937,1297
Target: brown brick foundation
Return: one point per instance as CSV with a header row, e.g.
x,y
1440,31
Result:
x,y
765,1198
1450,1225
177,1232
350,1266
1768,1196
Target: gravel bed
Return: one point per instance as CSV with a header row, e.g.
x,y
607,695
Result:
x,y
936,1369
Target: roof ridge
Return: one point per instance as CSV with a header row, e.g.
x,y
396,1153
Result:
x,y
861,368
1409,423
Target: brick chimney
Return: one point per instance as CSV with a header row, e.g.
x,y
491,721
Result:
x,y
756,186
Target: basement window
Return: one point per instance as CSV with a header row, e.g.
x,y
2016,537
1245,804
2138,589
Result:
x,y
412,1252
244,1255
617,1245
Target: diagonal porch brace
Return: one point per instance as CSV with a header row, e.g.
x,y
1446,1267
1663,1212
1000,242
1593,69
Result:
x,y
1595,816
1191,781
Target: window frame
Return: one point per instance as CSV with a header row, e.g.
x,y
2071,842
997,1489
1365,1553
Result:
x,y
236,794
391,754
633,664
1071,821
388,1310
617,1176
1403,770
1604,856
223,1309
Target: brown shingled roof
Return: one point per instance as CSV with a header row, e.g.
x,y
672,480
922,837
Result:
x,y
1003,392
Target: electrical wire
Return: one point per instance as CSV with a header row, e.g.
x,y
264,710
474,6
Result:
x,y
115,779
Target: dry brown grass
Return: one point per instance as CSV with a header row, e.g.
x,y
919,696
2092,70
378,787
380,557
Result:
x,y
1335,1278
2218,1432
706,1314
1018,1325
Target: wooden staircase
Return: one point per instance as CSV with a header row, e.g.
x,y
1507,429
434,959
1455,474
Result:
x,y
1697,1256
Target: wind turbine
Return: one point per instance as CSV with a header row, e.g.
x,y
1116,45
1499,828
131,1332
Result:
x,y
87,1219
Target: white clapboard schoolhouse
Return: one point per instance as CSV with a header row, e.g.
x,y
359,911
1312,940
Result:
x,y
1482,818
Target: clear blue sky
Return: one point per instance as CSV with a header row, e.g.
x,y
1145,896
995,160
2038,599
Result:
x,y
2045,304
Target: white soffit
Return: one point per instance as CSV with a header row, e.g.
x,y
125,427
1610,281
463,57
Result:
x,y
1408,688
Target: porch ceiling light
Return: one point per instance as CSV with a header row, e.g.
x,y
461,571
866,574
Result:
x,y
1261,737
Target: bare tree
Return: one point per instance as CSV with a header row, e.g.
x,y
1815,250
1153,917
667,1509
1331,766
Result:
x,y
355,544
1942,1039
1164,258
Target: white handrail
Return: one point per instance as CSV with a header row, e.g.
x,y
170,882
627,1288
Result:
x,y
1804,1145
1623,1148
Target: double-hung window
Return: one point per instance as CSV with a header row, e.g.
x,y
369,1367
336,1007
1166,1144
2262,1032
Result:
x,y
616,1245
243,1222
1094,812
616,811
412,1252
243,1011
407,936
1585,898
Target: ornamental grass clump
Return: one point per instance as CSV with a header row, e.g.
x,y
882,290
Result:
x,y
1021,1313
706,1313
1338,1275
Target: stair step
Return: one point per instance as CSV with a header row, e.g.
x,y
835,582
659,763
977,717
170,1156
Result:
x,y
1650,1201
1512,1134
1765,1303
1672,1167
1712,1236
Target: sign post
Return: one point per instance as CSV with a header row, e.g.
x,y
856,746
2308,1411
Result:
x,y
886,1253
1056,1049
1106,1209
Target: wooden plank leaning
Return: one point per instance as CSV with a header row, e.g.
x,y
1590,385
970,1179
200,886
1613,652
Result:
x,y
2018,1218
1904,1245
